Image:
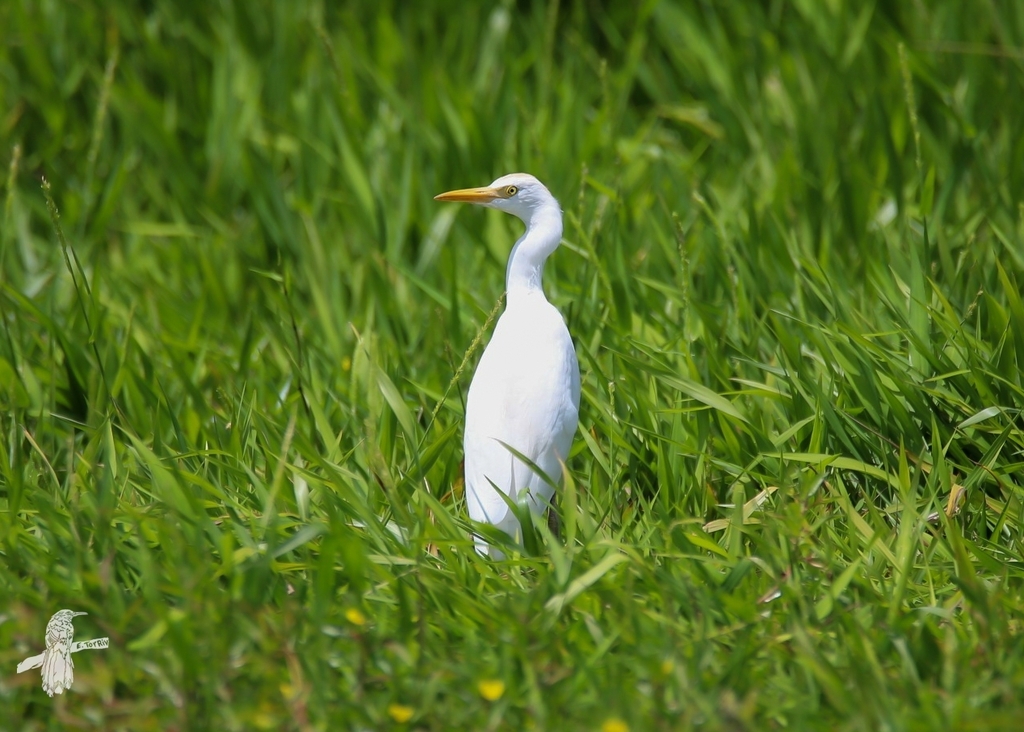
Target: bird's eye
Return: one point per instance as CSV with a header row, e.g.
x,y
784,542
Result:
x,y
511,191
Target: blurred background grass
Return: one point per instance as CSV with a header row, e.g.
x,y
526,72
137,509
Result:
x,y
792,265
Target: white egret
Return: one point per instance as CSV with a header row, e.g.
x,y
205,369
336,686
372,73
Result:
x,y
525,394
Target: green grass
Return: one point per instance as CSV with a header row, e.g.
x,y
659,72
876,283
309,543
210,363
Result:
x,y
792,266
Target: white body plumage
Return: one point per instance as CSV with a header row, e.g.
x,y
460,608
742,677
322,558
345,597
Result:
x,y
525,393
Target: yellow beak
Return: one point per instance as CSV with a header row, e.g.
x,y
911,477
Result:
x,y
470,195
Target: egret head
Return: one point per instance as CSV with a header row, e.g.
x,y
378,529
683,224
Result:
x,y
519,194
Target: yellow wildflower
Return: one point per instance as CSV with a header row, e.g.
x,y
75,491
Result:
x,y
399,712
491,689
614,725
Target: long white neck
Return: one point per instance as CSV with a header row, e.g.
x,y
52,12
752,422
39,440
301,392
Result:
x,y
526,262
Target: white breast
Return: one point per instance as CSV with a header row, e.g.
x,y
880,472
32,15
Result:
x,y
525,393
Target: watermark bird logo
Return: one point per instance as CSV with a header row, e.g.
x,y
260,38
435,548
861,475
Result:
x,y
58,667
